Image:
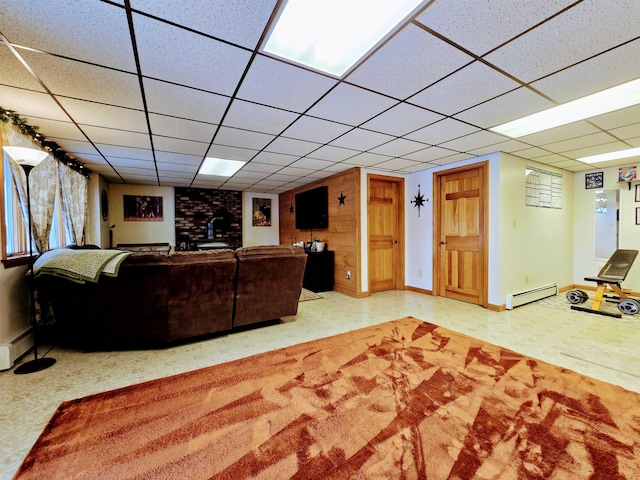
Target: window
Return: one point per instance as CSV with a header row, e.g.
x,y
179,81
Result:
x,y
15,243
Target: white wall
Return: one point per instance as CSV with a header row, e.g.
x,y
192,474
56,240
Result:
x,y
260,235
14,296
585,263
142,232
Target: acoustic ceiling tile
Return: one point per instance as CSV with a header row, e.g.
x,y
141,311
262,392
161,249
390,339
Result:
x,y
89,31
30,104
472,85
430,154
402,119
468,142
599,73
178,159
312,164
82,148
366,159
574,36
398,147
236,137
360,139
274,158
175,145
86,82
443,131
451,159
619,118
613,146
62,129
459,20
124,154
296,171
254,166
178,171
417,167
116,137
350,105
236,21
184,102
336,154
509,146
291,146
259,118
283,178
278,84
213,183
579,142
90,113
397,164
567,163
335,168
162,125
572,130
395,71
13,72
186,58
315,129
507,107
248,175
231,153
267,184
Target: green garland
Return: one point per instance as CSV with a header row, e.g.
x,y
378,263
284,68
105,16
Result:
x,y
7,116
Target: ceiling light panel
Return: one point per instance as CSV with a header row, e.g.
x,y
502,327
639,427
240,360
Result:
x,y
220,167
332,36
599,103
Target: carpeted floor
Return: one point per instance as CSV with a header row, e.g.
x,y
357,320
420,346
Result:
x,y
403,399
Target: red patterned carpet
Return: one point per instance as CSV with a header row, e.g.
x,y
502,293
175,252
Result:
x,y
405,399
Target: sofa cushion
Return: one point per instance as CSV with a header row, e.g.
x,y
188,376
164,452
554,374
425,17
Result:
x,y
138,258
269,250
201,256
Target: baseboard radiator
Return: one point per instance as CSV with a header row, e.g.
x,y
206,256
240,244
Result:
x,y
17,347
518,299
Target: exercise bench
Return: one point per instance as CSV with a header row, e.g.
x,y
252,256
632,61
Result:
x,y
609,279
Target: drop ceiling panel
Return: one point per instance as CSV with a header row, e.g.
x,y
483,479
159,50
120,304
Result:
x,y
178,101
174,145
366,159
90,113
505,108
399,55
30,104
274,158
350,105
619,118
500,20
431,154
596,150
178,158
13,73
398,147
312,164
231,153
443,131
57,129
290,146
472,85
604,71
175,168
397,164
574,144
236,137
336,154
116,137
87,82
278,84
254,166
85,30
468,142
315,130
360,139
572,130
124,154
179,128
574,36
258,118
186,58
402,119
627,133
236,21
451,159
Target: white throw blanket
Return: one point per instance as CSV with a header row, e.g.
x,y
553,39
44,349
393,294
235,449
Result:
x,y
79,265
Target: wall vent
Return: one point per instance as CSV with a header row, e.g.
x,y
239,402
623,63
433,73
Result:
x,y
518,299
10,352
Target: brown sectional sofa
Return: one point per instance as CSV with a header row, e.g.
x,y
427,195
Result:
x,y
158,298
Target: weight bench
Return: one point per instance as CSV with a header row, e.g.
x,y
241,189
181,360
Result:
x,y
610,277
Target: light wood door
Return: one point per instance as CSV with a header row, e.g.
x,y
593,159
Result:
x,y
385,233
460,236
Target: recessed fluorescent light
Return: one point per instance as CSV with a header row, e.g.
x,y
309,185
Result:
x,y
331,36
615,98
603,157
220,167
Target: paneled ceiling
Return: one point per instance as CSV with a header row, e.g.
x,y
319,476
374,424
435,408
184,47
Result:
x,y
141,91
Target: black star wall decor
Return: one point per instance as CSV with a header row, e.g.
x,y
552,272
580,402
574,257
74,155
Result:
x,y
418,200
291,209
341,199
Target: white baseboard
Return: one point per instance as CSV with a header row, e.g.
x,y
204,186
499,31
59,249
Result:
x,y
14,349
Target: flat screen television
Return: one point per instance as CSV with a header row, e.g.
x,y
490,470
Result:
x,y
312,209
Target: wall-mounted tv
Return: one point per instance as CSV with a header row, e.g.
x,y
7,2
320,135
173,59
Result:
x,y
312,209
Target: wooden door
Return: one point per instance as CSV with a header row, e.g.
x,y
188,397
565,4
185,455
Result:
x,y
386,226
459,240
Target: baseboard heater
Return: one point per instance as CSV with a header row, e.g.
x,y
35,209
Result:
x,y
518,299
17,347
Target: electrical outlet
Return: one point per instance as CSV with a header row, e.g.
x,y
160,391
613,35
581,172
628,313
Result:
x,y
348,275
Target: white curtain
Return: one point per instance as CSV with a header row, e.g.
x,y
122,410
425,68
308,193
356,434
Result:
x,y
73,201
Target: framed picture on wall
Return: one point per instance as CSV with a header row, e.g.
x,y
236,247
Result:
x,y
261,215
594,180
142,208
637,215
637,193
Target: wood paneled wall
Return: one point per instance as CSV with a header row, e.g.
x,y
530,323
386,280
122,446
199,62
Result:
x,y
343,234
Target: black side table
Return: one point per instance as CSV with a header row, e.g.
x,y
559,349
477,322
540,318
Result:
x,y
318,274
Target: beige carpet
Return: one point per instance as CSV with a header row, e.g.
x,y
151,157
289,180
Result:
x,y
404,399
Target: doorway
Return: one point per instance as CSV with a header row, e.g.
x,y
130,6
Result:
x,y
385,201
460,269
